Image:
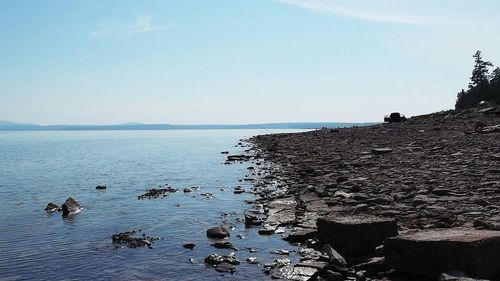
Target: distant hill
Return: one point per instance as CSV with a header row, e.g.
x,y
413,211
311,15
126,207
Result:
x,y
12,126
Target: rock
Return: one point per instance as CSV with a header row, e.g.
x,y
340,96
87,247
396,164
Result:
x,y
224,152
281,252
383,150
218,232
292,273
372,262
457,276
253,260
253,218
224,245
51,207
238,190
300,236
190,246
215,259
70,207
129,239
334,257
187,190
154,193
429,253
231,158
355,235
101,187
225,267
334,276
267,230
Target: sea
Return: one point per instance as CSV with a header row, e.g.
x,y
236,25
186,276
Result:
x,y
41,167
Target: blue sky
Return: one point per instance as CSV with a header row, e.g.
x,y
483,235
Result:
x,y
245,61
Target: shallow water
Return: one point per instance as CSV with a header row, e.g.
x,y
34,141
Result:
x,y
41,167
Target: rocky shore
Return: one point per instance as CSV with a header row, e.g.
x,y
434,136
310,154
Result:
x,y
397,201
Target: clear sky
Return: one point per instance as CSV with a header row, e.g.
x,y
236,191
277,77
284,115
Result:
x,y
237,61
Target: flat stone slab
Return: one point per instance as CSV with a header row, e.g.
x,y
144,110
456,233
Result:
x,y
354,236
430,253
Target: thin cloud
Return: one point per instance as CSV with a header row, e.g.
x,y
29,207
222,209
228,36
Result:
x,y
351,11
142,24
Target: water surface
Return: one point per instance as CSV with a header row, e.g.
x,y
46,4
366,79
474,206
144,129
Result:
x,y
41,167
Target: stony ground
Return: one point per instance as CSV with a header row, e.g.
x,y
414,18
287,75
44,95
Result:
x,y
434,171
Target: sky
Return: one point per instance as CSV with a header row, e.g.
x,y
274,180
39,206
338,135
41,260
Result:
x,y
236,62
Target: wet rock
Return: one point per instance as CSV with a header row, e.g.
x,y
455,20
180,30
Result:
x,y
252,260
187,190
429,253
190,246
215,259
224,245
154,193
218,232
129,239
101,187
292,273
70,207
253,218
51,207
281,252
267,230
300,236
355,235
238,190
232,158
225,267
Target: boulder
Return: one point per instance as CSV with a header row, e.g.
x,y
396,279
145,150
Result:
x,y
218,232
355,236
430,253
101,187
70,207
51,207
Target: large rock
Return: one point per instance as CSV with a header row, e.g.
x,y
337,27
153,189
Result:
x,y
355,235
218,232
70,207
430,253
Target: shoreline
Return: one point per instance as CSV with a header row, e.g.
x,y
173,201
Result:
x,y
433,172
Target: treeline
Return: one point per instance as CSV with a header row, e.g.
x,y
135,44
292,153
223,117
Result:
x,y
484,86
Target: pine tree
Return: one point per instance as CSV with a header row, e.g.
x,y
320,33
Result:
x,y
495,76
480,73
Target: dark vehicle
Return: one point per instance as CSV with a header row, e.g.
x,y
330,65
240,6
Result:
x,y
395,117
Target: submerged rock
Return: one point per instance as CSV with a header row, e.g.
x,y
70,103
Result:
x,y
190,246
154,193
70,207
224,245
128,239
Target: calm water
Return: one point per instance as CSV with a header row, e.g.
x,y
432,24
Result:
x,y
41,167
